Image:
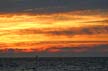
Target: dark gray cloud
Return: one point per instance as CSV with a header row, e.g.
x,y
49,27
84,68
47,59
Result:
x,y
89,30
99,48
84,30
50,5
72,49
83,51
83,48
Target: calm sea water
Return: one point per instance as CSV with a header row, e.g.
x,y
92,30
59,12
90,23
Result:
x,y
54,64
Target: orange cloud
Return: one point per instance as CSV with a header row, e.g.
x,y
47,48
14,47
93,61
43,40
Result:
x,y
16,30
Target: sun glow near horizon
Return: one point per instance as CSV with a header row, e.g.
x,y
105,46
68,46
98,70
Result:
x,y
68,26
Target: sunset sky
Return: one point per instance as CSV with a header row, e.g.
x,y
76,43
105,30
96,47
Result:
x,y
54,25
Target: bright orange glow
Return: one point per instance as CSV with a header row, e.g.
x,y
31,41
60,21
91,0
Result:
x,y
57,27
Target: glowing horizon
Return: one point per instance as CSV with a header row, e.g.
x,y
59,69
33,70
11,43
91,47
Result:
x,y
67,26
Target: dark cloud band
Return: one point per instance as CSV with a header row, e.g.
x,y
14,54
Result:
x,y
88,30
49,6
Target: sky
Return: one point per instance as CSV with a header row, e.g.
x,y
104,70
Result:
x,y
57,27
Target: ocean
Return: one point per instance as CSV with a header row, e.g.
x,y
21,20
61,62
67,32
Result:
x,y
54,64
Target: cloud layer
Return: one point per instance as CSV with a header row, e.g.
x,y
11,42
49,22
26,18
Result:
x,y
74,31
50,6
